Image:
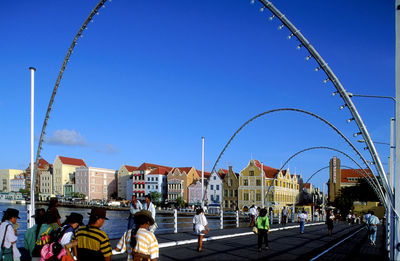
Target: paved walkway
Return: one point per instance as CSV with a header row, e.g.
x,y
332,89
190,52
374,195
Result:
x,y
285,244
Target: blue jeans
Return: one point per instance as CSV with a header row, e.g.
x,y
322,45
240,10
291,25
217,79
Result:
x,y
372,234
302,226
131,222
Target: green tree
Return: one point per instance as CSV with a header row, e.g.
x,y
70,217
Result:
x,y
155,197
180,202
78,195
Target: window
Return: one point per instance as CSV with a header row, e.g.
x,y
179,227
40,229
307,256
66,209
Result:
x,y
93,181
258,197
231,193
92,188
217,187
225,193
258,182
246,196
156,186
230,182
212,187
217,198
105,190
226,203
156,178
215,177
212,197
148,186
236,193
251,172
246,182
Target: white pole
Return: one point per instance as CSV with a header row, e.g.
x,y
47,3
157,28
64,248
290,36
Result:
x,y
389,221
262,185
202,172
32,205
396,229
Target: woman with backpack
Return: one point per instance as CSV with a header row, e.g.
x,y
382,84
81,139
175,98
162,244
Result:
x,y
8,235
34,236
262,224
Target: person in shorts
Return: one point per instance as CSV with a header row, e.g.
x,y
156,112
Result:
x,y
200,226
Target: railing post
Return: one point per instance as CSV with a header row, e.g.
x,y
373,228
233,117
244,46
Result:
x,y
237,218
222,219
175,221
279,218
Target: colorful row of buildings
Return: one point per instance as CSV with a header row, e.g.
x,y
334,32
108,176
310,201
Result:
x,y
225,188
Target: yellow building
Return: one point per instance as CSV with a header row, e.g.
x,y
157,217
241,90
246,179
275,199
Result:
x,y
283,191
123,175
63,169
5,176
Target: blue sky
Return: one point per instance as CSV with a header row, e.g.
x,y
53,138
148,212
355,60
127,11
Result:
x,y
148,79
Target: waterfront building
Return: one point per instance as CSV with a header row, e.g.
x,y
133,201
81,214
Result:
x,y
194,193
42,166
214,187
179,179
339,178
63,167
123,176
95,183
17,183
46,186
137,185
5,176
230,186
156,181
280,187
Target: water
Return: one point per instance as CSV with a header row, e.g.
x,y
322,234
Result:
x,y
115,226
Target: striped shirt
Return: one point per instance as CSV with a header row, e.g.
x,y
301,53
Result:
x,y
146,243
92,242
125,244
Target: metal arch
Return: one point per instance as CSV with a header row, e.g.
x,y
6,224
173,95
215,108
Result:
x,y
295,110
57,84
376,188
339,87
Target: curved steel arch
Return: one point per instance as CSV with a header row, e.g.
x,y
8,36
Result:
x,y
339,87
295,110
376,187
57,84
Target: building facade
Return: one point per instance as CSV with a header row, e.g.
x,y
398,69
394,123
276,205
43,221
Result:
x,y
5,176
179,179
230,186
95,183
194,193
123,176
46,185
156,181
214,187
17,183
63,167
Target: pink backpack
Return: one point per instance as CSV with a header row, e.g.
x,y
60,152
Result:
x,y
49,250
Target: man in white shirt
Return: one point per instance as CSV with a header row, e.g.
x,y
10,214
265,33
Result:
x,y
303,217
135,206
372,222
150,207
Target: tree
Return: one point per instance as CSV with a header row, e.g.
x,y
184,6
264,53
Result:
x,y
155,197
180,202
78,195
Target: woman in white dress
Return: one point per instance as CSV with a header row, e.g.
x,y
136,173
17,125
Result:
x,y
200,226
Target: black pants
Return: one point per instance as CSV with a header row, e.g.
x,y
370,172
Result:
x,y
262,233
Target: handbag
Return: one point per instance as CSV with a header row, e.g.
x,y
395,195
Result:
x,y
255,230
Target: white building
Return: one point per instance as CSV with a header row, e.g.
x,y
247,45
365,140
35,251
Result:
x,y
214,188
17,183
5,176
156,181
46,185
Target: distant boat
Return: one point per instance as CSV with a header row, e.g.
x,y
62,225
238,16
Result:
x,y
12,197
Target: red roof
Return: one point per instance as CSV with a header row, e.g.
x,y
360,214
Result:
x,y
149,166
130,168
347,174
72,161
43,164
206,174
268,171
159,171
184,169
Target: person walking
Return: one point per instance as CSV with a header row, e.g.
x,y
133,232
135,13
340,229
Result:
x,y
303,218
200,226
329,222
285,214
373,221
135,206
93,243
253,213
8,235
52,214
262,224
32,235
143,242
150,207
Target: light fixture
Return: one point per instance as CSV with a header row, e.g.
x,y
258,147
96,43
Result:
x,y
350,120
271,17
308,57
299,46
334,93
361,140
343,106
290,36
356,134
317,69
326,80
262,9
281,26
